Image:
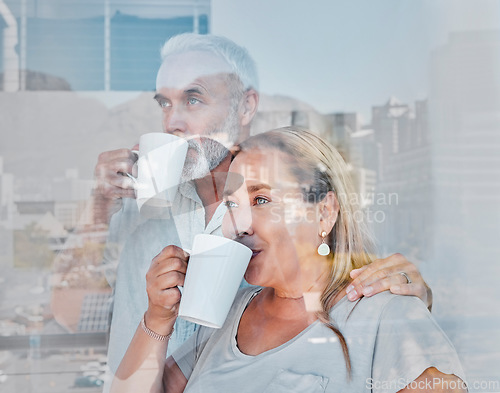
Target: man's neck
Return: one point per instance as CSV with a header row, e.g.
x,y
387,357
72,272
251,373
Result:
x,y
211,187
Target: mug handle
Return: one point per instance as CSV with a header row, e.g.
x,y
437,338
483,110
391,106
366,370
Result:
x,y
136,152
180,287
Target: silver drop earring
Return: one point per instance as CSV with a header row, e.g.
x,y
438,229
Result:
x,y
323,249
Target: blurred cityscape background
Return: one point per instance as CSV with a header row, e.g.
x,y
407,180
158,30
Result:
x,y
77,78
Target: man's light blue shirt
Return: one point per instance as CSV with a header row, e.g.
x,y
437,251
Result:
x,y
134,241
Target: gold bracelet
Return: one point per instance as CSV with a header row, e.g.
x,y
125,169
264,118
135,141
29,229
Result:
x,y
150,333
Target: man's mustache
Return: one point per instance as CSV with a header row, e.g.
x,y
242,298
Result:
x,y
201,144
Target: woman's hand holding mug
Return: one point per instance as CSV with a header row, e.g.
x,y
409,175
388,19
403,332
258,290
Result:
x,y
166,273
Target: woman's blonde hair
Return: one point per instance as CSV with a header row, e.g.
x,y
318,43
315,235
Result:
x,y
316,164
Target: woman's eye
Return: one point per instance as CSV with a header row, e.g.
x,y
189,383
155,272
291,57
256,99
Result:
x,y
230,204
193,101
261,201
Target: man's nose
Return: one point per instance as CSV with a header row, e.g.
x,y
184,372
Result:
x,y
174,121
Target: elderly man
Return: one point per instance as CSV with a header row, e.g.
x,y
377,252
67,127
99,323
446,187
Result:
x,y
207,90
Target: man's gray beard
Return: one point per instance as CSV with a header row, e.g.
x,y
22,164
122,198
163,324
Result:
x,y
209,152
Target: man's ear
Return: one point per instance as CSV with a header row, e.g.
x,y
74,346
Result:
x,y
329,212
248,106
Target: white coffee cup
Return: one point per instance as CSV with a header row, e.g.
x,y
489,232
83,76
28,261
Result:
x,y
160,163
214,273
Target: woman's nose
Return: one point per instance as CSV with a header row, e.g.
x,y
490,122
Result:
x,y
238,223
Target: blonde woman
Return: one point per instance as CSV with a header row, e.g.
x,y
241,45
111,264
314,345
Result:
x,y
296,331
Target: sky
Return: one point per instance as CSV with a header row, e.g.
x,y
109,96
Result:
x,y
347,55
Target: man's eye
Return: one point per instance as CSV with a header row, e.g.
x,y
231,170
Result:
x,y
261,201
164,103
193,101
230,204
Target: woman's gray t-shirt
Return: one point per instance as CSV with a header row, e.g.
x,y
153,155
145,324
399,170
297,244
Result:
x,y
392,340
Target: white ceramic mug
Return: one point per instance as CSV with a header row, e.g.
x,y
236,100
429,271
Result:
x,y
160,164
214,273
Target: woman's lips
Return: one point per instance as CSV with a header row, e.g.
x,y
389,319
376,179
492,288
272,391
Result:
x,y
255,253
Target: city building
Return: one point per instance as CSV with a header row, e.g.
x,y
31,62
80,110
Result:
x,y
344,125
101,47
404,183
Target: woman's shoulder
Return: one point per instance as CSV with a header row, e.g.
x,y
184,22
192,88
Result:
x,y
407,335
384,305
386,301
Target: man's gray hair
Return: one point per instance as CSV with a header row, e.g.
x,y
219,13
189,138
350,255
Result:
x,y
234,55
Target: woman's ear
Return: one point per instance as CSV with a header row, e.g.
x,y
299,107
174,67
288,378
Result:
x,y
248,106
329,212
